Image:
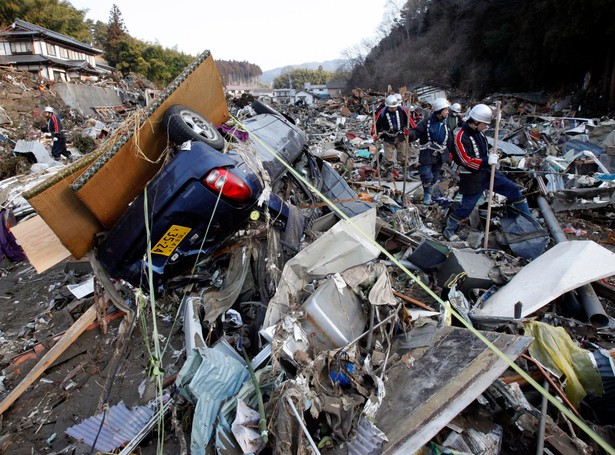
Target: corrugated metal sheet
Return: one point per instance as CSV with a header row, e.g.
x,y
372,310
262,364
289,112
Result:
x,y
367,440
119,425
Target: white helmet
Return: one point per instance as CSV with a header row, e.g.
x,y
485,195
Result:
x,y
456,108
398,98
439,104
412,108
391,101
48,109
481,113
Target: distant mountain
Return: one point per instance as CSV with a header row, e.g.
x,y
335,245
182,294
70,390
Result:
x,y
330,65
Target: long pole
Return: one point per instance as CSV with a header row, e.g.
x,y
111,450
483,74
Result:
x,y
492,179
407,151
376,142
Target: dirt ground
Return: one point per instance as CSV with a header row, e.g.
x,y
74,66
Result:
x,y
86,377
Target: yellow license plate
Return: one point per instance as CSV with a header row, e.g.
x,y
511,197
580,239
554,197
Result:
x,y
170,240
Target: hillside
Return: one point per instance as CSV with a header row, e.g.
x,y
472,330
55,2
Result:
x,y
500,46
329,65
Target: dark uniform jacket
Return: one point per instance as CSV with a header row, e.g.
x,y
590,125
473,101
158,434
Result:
x,y
435,138
392,124
471,150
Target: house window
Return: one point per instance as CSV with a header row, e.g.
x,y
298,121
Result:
x,y
21,47
63,53
51,49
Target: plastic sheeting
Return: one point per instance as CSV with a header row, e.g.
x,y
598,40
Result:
x,y
524,235
556,351
208,378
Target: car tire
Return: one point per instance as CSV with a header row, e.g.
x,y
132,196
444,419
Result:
x,y
183,124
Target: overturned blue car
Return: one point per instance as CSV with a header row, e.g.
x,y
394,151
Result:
x,y
213,187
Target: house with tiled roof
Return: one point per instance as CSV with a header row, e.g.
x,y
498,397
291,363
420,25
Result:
x,y
46,54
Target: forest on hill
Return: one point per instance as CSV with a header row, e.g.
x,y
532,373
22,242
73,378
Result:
x,y
499,46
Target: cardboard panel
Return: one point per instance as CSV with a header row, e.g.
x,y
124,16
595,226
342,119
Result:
x,y
121,175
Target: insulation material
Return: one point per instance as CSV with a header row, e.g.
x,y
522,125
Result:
x,y
119,175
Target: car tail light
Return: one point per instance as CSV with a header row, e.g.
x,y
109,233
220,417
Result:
x,y
227,184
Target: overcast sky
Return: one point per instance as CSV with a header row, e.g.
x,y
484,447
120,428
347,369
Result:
x,y
268,33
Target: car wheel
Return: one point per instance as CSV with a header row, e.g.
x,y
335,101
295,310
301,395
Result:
x,y
183,124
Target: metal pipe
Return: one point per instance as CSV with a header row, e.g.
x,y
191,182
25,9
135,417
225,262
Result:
x,y
556,230
303,427
589,300
540,446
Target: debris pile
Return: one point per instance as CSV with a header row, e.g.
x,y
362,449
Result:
x,y
321,309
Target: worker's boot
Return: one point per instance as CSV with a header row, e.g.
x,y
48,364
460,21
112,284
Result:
x,y
427,195
449,231
522,206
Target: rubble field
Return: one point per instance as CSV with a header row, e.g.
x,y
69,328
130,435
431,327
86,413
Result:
x,y
363,331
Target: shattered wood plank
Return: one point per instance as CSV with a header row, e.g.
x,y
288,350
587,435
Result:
x,y
69,337
414,301
443,380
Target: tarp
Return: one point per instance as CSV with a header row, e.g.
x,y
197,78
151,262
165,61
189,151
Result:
x,y
566,266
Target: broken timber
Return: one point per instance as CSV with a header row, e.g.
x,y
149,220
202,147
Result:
x,y
71,335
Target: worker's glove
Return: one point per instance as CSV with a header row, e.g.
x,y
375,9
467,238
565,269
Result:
x,y
406,132
492,159
55,139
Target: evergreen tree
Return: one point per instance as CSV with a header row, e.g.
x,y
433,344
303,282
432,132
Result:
x,y
117,37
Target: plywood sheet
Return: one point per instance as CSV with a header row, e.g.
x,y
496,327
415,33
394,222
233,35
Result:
x,y
70,220
42,246
452,371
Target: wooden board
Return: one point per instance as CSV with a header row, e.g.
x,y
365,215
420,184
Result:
x,y
42,246
69,337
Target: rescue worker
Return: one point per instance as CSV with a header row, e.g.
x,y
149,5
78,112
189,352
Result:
x,y
54,127
454,117
474,159
436,144
392,126
414,114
